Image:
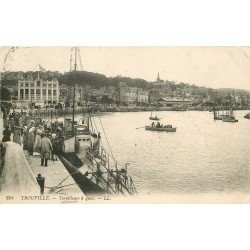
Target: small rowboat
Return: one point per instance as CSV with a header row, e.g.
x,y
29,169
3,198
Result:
x,y
154,118
229,119
166,129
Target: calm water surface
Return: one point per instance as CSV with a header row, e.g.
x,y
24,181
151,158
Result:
x,y
202,156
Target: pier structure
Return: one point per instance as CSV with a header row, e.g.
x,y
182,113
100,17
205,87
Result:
x,y
58,182
57,179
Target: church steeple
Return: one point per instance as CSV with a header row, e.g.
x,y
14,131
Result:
x,y
158,77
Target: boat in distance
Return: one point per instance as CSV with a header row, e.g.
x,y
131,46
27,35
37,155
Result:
x,y
229,119
154,118
166,129
247,116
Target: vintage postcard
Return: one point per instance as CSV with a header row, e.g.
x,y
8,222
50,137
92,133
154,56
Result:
x,y
125,125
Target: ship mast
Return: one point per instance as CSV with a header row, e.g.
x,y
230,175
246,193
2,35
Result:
x,y
76,57
74,91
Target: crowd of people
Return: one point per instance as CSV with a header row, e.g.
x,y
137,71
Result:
x,y
28,132
32,133
158,125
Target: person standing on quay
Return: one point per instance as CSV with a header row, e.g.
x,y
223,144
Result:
x,y
45,147
31,139
6,134
39,131
25,138
17,135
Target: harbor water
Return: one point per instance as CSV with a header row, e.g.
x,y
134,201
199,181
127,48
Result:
x,y
202,156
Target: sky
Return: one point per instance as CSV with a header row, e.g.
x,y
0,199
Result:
x,y
215,67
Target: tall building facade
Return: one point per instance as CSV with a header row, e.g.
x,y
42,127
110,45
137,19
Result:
x,y
38,92
132,95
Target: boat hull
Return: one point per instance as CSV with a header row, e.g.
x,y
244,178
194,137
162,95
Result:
x,y
229,120
154,118
160,129
86,185
218,118
247,116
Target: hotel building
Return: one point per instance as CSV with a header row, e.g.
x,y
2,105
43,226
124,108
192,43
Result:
x,y
38,92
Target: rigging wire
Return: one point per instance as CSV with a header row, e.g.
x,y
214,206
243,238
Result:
x,y
107,139
94,123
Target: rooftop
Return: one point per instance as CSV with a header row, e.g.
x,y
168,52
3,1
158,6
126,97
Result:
x,y
173,100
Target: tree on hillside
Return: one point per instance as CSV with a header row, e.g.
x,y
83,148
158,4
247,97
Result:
x,y
5,94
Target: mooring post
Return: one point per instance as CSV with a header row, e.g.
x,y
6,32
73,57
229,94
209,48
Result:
x,y
41,182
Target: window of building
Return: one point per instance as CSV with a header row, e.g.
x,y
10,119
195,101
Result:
x,y
38,91
44,84
21,94
54,92
32,91
49,92
54,85
44,92
26,91
32,84
49,85
26,84
38,83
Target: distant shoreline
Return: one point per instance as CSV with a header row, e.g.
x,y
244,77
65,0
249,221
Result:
x,y
102,111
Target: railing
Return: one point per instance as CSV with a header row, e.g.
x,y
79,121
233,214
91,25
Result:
x,y
119,177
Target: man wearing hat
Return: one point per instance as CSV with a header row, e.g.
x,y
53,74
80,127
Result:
x,y
31,139
17,135
6,134
45,147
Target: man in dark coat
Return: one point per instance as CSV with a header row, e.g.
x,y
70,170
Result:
x,y
45,147
6,135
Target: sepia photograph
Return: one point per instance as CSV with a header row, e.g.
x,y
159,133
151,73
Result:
x,y
113,124
124,124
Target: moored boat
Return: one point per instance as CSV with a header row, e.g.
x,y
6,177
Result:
x,y
219,114
93,169
247,116
229,117
154,118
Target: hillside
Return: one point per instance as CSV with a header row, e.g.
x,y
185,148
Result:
x,y
97,80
